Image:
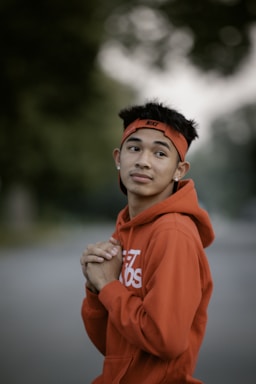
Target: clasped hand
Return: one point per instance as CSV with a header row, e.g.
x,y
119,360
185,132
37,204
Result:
x,y
101,263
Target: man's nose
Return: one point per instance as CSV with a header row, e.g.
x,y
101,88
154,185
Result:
x,y
143,160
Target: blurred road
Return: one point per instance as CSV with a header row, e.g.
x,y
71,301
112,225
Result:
x,y
41,290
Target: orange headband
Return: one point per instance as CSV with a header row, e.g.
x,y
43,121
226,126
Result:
x,y
176,137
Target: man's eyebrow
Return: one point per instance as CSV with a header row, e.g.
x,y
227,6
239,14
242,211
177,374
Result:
x,y
131,138
159,142
163,143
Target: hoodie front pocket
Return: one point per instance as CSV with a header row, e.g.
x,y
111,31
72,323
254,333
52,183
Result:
x,y
115,368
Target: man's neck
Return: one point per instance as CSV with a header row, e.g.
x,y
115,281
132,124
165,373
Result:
x,y
138,204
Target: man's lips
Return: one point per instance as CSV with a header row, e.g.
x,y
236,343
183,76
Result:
x,y
140,177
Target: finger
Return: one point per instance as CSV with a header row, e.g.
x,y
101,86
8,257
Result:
x,y
105,252
99,245
98,252
113,250
91,259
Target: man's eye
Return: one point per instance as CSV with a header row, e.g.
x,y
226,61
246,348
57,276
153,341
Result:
x,y
133,148
160,154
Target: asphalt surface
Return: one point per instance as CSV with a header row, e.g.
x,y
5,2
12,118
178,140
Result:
x,y
42,337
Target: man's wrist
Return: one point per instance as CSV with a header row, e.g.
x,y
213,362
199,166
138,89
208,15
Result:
x,y
91,287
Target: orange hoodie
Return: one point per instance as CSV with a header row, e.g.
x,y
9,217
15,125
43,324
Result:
x,y
151,323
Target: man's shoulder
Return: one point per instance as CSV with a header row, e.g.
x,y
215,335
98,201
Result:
x,y
174,221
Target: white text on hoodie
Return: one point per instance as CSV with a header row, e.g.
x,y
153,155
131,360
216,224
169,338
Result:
x,y
131,276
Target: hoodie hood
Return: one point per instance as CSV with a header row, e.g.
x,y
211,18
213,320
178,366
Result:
x,y
184,201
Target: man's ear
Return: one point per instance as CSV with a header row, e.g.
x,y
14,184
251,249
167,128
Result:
x,y
116,156
181,170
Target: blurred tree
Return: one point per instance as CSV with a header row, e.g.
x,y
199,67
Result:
x,y
227,166
214,34
56,109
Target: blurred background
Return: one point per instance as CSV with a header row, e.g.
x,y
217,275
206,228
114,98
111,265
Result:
x,y
67,68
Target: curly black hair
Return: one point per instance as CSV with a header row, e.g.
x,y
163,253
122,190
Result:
x,y
155,110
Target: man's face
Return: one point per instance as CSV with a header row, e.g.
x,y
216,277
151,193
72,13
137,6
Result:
x,y
148,161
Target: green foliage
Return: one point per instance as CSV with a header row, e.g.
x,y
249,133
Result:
x,y
58,114
63,161
48,49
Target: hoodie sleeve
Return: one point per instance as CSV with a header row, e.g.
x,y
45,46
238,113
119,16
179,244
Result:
x,y
95,317
160,323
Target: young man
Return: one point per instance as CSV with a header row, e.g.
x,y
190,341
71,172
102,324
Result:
x,y
147,314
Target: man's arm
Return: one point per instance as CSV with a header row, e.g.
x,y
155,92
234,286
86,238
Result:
x,y
160,322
